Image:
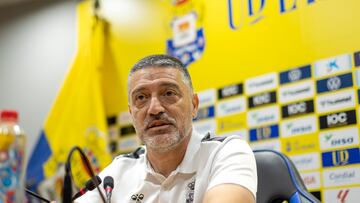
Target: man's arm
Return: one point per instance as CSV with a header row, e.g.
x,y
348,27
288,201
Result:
x,y
229,193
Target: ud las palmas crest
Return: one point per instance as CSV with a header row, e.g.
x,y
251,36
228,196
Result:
x,y
187,41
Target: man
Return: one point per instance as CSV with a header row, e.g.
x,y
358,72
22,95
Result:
x,y
177,164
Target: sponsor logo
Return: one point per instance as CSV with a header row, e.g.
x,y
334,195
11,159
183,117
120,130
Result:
x,y
293,127
295,74
262,99
332,65
302,144
341,157
263,133
205,126
261,83
207,97
339,138
297,108
231,106
263,116
295,92
341,176
251,15
311,180
308,161
337,119
271,144
205,112
331,102
342,195
230,91
334,83
357,59
231,122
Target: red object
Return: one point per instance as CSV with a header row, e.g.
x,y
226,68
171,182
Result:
x,y
9,115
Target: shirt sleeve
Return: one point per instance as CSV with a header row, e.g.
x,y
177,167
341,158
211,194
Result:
x,y
234,163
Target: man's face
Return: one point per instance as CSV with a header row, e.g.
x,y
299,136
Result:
x,y
162,107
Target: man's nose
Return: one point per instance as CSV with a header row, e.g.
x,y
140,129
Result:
x,y
155,106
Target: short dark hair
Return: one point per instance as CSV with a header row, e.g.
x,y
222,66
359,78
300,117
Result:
x,y
162,60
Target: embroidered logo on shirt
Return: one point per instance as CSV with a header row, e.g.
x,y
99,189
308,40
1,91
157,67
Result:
x,y
137,197
190,191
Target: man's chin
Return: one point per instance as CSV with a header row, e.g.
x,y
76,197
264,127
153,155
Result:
x,y
162,141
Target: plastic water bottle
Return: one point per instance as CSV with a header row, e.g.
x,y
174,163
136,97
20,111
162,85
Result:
x,y
12,147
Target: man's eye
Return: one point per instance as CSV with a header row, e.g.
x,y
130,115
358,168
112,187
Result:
x,y
169,93
140,97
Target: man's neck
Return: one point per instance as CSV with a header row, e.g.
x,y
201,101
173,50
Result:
x,y
167,161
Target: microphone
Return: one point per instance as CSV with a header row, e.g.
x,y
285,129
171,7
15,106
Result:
x,y
89,186
108,187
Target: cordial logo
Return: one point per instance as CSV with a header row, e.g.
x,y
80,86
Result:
x,y
333,83
294,74
341,176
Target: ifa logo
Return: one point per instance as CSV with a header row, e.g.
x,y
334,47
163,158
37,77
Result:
x,y
342,194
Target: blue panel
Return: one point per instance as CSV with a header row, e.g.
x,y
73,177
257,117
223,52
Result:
x,y
334,83
34,171
341,157
262,133
295,74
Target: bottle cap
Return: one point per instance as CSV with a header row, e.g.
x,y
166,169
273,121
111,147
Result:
x,y
9,115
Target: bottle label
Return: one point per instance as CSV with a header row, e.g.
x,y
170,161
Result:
x,y
11,162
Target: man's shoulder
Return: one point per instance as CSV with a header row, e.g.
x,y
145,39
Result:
x,y
211,138
133,155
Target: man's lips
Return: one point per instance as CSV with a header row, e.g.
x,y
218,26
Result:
x,y
158,124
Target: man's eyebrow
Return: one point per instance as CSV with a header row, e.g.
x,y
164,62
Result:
x,y
169,84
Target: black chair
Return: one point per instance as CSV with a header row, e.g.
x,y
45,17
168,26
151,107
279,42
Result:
x,y
279,180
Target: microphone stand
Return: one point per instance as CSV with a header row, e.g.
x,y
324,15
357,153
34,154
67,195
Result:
x,y
67,188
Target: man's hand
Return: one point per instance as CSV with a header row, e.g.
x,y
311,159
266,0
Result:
x,y
229,193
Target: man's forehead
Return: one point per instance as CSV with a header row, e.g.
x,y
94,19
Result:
x,y
155,73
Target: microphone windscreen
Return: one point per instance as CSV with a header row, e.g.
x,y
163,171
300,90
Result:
x,y
108,182
90,184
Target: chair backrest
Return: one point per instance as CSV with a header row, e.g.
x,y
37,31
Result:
x,y
279,180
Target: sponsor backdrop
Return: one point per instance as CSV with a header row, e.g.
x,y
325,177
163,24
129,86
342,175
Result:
x,y
283,75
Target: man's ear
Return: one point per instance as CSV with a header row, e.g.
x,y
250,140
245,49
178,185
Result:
x,y
195,103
